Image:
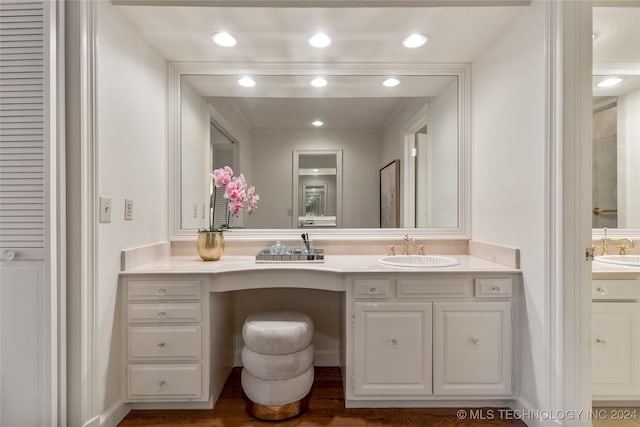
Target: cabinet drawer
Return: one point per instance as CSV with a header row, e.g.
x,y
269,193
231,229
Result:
x,y
494,288
165,342
435,288
164,312
373,288
168,381
142,290
620,290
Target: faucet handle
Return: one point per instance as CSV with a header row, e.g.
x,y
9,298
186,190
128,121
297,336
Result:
x,y
622,249
392,250
421,250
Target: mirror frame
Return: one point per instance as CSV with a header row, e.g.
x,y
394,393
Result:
x,y
460,70
601,69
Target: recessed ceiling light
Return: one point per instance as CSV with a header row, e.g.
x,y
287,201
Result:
x,y
611,81
320,40
391,82
415,40
247,82
317,123
223,39
318,82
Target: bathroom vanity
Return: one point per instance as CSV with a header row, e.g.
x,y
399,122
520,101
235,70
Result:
x,y
409,337
615,333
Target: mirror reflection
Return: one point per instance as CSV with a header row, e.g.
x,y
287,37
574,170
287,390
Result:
x,y
317,179
616,152
616,117
277,132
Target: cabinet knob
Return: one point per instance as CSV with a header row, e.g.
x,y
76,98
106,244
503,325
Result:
x,y
161,385
600,341
602,291
161,292
496,289
475,340
373,290
393,342
9,255
162,315
162,346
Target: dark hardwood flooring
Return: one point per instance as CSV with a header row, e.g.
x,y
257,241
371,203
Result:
x,y
326,409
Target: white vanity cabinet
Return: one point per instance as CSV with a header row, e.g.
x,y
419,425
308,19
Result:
x,y
615,346
398,332
166,340
420,338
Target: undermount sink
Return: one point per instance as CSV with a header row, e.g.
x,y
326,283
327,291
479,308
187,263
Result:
x,y
620,259
418,261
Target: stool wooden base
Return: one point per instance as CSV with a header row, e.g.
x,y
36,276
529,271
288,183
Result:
x,y
278,412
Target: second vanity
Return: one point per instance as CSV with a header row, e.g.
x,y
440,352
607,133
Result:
x,y
408,337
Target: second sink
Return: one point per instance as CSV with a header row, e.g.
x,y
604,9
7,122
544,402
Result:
x,y
418,261
620,259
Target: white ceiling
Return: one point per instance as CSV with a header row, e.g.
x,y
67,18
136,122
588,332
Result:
x,y
618,37
457,34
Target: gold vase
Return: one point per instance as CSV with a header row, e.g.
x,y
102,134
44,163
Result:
x,y
210,245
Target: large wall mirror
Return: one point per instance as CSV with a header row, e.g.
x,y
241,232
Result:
x,y
616,121
314,148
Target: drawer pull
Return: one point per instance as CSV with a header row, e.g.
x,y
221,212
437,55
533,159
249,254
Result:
x,y
394,342
162,346
496,289
476,341
162,315
161,385
602,291
600,341
373,290
161,292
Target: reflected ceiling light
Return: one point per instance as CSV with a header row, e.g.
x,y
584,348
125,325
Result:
x,y
415,40
594,35
320,40
223,39
247,82
611,81
318,82
317,123
391,82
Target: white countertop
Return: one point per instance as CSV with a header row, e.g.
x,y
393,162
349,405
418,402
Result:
x,y
333,263
598,267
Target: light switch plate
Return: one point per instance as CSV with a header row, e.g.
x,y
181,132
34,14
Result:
x,y
128,210
105,210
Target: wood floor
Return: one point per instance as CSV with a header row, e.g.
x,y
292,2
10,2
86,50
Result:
x,y
326,409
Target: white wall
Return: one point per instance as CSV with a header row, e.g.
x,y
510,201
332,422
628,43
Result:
x,y
195,139
508,176
132,147
442,137
273,163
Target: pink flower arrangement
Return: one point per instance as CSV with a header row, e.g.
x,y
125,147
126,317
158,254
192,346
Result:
x,y
238,193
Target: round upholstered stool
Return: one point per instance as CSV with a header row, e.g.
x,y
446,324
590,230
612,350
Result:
x,y
277,360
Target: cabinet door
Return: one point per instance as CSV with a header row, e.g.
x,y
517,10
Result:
x,y
614,350
392,349
472,348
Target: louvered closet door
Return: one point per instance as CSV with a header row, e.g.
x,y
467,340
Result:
x,y
25,357
22,129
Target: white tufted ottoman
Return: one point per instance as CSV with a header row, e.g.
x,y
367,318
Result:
x,y
277,360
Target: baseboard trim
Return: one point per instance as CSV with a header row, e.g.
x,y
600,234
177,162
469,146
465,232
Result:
x,y
114,414
93,422
525,408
